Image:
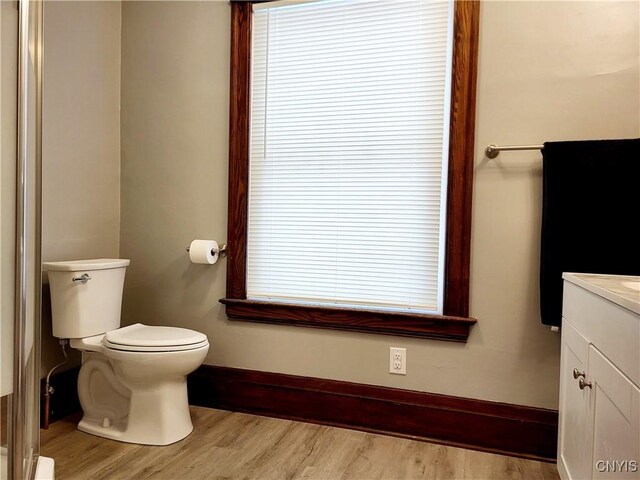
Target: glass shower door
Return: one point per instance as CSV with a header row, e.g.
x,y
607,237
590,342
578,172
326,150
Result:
x,y
8,156
20,278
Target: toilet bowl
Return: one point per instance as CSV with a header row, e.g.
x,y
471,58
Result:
x,y
148,401
132,383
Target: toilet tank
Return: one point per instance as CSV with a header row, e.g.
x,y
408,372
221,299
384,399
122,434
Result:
x,y
86,296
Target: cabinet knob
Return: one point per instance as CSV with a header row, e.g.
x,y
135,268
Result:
x,y
577,373
583,384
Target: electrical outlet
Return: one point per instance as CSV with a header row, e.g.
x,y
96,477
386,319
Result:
x,y
398,360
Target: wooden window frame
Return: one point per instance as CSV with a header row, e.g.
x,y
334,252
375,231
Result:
x,y
454,324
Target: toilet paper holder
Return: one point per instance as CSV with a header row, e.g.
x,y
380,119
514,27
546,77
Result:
x,y
221,250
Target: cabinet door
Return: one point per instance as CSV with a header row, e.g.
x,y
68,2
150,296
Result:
x,y
574,440
616,420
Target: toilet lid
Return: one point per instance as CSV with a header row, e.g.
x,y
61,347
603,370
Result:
x,y
140,337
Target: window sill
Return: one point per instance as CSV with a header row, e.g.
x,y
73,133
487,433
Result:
x,y
435,327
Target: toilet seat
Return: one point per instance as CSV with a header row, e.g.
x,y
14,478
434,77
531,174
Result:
x,y
144,338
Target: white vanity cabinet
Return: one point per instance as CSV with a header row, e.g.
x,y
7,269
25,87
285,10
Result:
x,y
599,424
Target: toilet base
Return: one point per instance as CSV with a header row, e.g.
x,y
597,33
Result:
x,y
120,434
157,416
128,409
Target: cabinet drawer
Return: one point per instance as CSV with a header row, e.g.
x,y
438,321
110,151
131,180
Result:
x,y
612,328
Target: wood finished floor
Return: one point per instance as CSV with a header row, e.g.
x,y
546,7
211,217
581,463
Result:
x,y
228,445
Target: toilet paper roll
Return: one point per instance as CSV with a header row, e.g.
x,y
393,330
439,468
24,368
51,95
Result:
x,y
204,252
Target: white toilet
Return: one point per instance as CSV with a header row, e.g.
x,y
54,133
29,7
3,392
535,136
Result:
x,y
133,380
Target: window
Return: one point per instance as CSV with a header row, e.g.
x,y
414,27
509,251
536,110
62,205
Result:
x,y
350,165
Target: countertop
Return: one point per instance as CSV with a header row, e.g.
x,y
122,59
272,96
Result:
x,y
616,288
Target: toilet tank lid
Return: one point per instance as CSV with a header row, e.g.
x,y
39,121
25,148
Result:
x,y
84,265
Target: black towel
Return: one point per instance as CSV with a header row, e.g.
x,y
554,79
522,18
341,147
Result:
x,y
590,204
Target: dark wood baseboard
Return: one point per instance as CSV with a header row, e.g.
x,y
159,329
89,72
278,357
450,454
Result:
x,y
64,401
521,431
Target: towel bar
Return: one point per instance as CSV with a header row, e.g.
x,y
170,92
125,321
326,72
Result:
x,y
492,151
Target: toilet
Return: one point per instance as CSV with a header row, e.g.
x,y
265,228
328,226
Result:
x,y
132,383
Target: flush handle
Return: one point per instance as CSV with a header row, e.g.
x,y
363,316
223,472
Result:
x,y
577,373
84,278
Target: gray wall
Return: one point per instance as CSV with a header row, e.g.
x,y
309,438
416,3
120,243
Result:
x,y
80,138
548,71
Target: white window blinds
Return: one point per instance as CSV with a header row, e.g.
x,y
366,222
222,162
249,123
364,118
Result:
x,y
348,149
